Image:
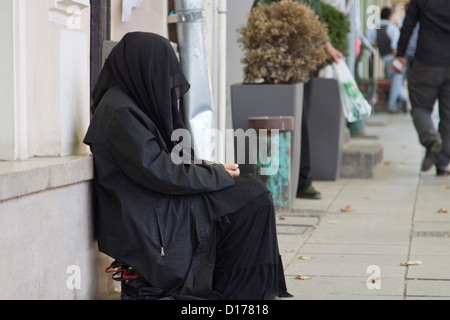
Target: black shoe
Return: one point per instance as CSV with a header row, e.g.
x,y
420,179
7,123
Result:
x,y
431,155
309,193
442,172
139,289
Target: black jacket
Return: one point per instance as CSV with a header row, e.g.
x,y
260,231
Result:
x,y
153,215
433,46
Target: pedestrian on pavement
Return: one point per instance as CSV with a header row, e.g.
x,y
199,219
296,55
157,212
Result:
x,y
190,230
429,78
386,39
410,54
305,189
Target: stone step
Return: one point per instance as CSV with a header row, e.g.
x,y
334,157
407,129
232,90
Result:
x,y
361,159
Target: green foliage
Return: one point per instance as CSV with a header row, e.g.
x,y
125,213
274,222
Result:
x,y
283,42
338,27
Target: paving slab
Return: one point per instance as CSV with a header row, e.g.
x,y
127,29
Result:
x,y
347,265
432,243
393,236
345,288
364,249
431,268
428,288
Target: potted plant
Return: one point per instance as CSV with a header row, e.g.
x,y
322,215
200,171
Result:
x,y
282,43
327,123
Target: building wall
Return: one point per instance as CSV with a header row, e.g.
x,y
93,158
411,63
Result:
x,y
43,235
47,238
43,79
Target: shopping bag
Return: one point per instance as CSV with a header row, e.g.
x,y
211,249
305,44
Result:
x,y
354,105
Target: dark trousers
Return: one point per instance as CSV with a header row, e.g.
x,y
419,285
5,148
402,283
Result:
x,y
426,84
305,179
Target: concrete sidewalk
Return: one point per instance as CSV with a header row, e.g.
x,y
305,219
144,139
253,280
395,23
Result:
x,y
390,220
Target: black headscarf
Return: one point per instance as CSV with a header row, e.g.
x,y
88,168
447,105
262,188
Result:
x,y
146,68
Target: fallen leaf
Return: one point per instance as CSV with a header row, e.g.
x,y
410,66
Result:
x,y
299,277
443,210
447,236
300,236
347,209
304,258
411,263
386,163
368,197
373,279
320,240
289,250
445,187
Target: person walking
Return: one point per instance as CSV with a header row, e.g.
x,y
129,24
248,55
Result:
x,y
386,39
429,78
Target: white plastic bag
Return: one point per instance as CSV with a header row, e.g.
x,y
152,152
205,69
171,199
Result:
x,y
354,105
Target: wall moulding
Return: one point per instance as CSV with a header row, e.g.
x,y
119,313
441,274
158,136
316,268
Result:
x,y
68,13
21,178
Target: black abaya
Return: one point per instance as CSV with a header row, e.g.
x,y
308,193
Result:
x,y
190,230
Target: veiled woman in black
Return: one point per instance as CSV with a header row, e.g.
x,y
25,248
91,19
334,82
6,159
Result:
x,y
192,231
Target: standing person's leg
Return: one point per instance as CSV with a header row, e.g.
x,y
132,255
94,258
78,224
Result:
x,y
396,94
305,188
424,83
389,74
396,91
444,125
305,163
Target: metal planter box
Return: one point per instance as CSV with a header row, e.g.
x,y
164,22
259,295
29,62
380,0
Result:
x,y
326,129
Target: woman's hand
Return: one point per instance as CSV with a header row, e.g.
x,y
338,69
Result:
x,y
232,169
335,54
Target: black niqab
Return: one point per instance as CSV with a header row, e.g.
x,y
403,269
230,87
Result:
x,y
146,68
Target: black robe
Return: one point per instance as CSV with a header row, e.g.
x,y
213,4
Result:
x,y
190,230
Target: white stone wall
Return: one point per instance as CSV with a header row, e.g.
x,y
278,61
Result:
x,y
47,239
47,242
44,78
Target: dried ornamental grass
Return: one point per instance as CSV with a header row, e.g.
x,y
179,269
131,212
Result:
x,y
283,42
